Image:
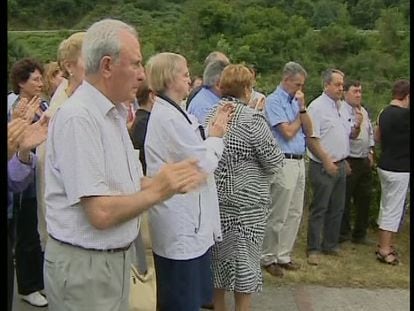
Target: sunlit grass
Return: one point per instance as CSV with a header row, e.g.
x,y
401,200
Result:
x,y
357,267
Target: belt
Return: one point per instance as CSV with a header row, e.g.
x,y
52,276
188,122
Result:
x,y
112,250
352,158
293,156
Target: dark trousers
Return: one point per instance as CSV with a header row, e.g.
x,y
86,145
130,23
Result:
x,y
358,189
28,253
183,285
325,211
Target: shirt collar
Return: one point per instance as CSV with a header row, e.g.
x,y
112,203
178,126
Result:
x,y
101,102
282,92
329,99
209,89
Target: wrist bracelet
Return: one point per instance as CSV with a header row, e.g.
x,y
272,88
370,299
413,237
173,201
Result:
x,y
302,111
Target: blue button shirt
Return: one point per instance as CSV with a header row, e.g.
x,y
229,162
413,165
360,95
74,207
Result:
x,y
202,103
280,107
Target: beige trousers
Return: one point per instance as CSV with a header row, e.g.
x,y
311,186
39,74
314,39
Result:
x,y
82,280
287,193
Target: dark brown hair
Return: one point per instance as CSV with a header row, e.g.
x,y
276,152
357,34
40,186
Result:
x,y
400,89
349,83
21,71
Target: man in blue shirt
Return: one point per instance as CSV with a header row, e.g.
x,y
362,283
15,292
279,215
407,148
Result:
x,y
285,112
209,95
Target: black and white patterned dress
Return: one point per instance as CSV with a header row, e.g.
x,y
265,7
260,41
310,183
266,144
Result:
x,y
251,156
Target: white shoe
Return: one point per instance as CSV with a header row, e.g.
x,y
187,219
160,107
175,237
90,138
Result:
x,y
35,299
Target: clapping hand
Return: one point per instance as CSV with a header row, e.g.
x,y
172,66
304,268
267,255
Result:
x,y
15,132
26,109
173,178
260,103
35,134
219,124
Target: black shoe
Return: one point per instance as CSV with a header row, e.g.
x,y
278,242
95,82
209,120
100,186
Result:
x,y
208,306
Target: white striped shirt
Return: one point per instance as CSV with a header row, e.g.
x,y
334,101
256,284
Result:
x,y
331,127
88,153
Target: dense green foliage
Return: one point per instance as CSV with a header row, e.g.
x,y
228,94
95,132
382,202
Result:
x,y
367,39
267,33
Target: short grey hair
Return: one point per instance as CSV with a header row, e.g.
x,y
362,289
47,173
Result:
x,y
216,55
327,75
213,71
102,39
292,69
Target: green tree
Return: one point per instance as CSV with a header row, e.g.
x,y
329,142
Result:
x,y
389,25
365,13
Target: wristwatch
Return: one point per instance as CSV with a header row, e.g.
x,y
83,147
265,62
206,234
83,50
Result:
x,y
302,111
29,159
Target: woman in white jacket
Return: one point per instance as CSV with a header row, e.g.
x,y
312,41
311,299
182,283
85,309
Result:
x,y
183,228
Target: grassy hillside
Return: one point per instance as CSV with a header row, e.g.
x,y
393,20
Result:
x,y
266,33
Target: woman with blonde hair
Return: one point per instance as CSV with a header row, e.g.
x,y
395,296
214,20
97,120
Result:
x,y
184,227
70,61
250,158
52,77
73,71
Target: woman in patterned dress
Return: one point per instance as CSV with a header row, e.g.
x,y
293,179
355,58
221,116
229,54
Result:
x,y
251,156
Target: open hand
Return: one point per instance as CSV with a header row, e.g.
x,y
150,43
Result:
x,y
26,109
219,124
258,103
173,178
15,133
35,134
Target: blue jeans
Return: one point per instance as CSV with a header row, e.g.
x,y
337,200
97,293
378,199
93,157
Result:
x,y
326,209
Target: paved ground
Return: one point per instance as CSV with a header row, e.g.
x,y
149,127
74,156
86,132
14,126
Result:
x,y
304,298
311,298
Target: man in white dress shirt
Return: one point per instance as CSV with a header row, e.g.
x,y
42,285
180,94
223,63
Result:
x,y
361,161
328,147
94,192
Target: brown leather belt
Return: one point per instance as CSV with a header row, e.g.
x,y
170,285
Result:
x,y
112,250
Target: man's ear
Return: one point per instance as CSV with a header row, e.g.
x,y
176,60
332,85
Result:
x,y
105,66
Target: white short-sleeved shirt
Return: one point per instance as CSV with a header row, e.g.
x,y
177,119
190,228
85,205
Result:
x,y
331,127
360,145
89,153
186,225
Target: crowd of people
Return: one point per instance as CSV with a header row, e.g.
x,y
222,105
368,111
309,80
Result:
x,y
97,138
